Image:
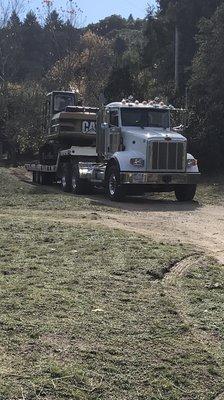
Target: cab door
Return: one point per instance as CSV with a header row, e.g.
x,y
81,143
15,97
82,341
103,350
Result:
x,y
114,139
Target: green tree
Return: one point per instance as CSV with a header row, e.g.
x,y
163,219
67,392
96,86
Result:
x,y
86,70
22,115
158,52
32,43
159,32
53,31
207,88
11,50
120,84
108,25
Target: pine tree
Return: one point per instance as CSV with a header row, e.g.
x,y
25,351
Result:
x,y
11,54
32,42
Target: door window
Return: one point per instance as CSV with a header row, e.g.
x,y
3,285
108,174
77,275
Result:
x,y
114,118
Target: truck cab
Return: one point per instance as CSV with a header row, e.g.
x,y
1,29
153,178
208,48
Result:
x,y
143,151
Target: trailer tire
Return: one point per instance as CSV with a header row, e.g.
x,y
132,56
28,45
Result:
x,y
35,177
38,177
66,178
44,178
185,192
79,186
114,189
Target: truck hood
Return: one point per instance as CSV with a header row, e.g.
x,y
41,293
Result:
x,y
152,133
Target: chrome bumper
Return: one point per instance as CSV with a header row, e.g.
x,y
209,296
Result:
x,y
148,178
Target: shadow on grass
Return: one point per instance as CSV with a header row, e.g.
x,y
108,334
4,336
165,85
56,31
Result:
x,y
146,204
130,203
42,189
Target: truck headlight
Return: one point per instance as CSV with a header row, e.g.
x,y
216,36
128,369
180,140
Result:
x,y
191,162
137,162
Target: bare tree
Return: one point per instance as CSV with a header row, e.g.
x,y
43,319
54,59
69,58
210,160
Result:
x,y
74,14
4,13
7,7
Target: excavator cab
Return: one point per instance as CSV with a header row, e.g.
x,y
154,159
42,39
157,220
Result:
x,y
55,103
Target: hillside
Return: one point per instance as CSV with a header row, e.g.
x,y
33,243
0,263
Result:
x,y
112,59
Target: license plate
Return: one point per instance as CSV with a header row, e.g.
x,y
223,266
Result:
x,y
138,178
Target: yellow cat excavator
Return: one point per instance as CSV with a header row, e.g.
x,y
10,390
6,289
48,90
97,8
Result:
x,y
66,123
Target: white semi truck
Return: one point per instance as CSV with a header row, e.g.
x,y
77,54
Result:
x,y
136,152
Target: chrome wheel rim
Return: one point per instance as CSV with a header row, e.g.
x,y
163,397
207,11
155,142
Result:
x,y
112,184
74,183
63,181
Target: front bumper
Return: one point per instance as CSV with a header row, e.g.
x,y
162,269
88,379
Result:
x,y
150,178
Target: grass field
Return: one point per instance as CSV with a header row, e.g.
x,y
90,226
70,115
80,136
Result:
x,y
93,313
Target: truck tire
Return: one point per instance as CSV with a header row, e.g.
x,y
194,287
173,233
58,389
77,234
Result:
x,y
66,178
114,190
185,192
44,178
79,186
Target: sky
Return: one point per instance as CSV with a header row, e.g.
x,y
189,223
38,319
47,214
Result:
x,y
94,10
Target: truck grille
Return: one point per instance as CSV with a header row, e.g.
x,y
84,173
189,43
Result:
x,y
168,156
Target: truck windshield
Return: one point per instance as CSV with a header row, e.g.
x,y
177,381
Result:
x,y
61,101
144,117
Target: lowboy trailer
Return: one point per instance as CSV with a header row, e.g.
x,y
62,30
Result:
x,y
67,161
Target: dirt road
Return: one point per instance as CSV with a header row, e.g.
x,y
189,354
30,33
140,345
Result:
x,y
164,220
169,221
202,226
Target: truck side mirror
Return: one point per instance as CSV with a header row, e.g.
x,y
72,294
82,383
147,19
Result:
x,y
179,129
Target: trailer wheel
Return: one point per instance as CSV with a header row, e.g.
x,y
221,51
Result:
x,y
114,190
66,178
79,186
185,192
35,177
41,178
38,177
44,178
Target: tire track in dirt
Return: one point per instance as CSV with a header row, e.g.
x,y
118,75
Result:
x,y
173,290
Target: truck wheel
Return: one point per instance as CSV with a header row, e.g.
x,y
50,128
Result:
x,y
114,190
185,192
44,178
66,178
79,186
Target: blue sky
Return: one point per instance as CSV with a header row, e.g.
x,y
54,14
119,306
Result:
x,y
94,10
